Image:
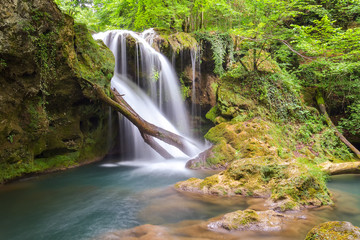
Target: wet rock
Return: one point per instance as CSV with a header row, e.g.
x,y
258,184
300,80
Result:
x,y
334,230
250,220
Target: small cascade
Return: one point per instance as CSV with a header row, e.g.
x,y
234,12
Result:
x,y
195,66
110,128
153,91
196,81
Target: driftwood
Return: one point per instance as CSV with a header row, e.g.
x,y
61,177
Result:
x,y
321,104
147,130
341,168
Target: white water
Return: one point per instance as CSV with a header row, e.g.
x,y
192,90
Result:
x,y
154,93
195,66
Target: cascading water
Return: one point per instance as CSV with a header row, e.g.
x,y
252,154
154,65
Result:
x,y
153,91
195,66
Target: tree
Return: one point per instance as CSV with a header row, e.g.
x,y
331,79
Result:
x,y
263,26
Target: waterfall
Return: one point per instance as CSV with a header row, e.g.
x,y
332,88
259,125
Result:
x,y
196,81
152,90
195,66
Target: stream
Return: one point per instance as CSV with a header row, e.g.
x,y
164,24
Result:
x,y
90,201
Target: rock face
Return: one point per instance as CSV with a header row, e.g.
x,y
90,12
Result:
x,y
49,116
334,230
250,220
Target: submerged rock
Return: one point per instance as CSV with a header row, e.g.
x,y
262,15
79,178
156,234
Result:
x,y
250,220
143,232
334,230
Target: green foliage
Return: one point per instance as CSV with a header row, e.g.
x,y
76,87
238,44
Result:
x,y
352,122
11,171
325,39
269,172
142,14
338,80
221,45
2,64
46,58
278,92
185,90
10,137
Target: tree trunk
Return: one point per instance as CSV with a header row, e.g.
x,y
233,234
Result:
x,y
156,146
321,103
341,168
146,129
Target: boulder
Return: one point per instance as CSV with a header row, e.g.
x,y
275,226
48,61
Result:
x,y
250,220
334,230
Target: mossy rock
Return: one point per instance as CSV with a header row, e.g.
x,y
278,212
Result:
x,y
234,140
250,220
231,102
289,185
334,230
50,117
180,41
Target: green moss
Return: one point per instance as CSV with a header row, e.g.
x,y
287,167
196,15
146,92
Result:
x,y
212,114
185,90
240,219
224,154
209,182
306,186
56,122
288,205
2,64
272,171
177,42
334,230
214,86
93,62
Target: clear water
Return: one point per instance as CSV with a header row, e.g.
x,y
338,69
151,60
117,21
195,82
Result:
x,y
92,200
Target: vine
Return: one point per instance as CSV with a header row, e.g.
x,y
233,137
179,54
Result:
x,y
45,58
222,45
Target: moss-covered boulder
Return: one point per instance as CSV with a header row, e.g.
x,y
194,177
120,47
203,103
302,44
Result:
x,y
250,220
334,230
234,140
50,117
289,185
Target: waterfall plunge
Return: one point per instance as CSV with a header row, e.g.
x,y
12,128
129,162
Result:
x,y
154,93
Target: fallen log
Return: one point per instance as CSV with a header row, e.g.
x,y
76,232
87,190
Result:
x,y
156,146
147,130
321,103
341,168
